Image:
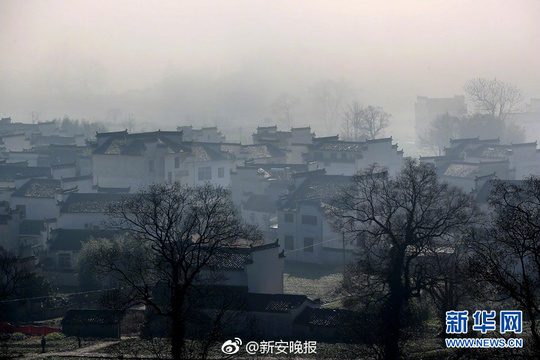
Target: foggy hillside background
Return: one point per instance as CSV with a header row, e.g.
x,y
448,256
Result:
x,y
224,63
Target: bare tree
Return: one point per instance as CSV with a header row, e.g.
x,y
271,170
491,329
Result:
x,y
507,250
175,233
283,106
114,114
328,97
393,221
129,123
365,122
18,279
494,97
447,280
11,274
439,133
446,127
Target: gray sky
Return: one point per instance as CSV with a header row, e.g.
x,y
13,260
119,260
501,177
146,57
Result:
x,y
81,57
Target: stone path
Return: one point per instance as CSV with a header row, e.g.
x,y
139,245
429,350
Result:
x,y
88,351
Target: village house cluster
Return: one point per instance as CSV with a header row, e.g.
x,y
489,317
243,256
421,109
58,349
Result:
x,y
55,188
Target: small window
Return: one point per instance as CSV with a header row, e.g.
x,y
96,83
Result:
x,y
343,155
204,173
289,217
176,162
64,260
289,242
151,166
169,176
333,156
221,172
308,244
309,220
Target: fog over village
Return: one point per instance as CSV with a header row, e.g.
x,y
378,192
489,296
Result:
x,y
239,179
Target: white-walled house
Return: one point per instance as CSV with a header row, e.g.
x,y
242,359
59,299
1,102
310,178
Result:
x,y
348,157
86,211
16,142
197,164
13,177
123,160
303,231
37,199
134,160
258,268
468,162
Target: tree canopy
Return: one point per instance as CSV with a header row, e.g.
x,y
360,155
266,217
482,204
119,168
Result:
x,y
395,221
506,261
493,97
173,234
364,122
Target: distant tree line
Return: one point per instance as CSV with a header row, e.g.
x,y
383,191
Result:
x,y
493,102
77,127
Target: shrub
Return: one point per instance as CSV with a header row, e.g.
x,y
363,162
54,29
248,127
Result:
x,y
18,336
55,336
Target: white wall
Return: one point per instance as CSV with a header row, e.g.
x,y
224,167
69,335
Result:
x,y
36,208
120,171
265,275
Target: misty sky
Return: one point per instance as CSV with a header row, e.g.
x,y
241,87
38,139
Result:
x,y
224,62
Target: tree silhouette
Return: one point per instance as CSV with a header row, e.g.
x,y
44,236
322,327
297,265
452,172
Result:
x,y
395,221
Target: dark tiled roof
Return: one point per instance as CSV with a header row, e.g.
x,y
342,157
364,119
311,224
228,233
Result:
x,y
324,317
117,145
317,189
270,167
134,144
237,258
38,188
326,139
73,239
77,178
525,144
10,173
461,170
31,227
266,128
261,151
274,302
245,301
491,151
341,146
53,139
89,203
121,133
388,139
203,152
111,190
92,317
261,203
230,260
